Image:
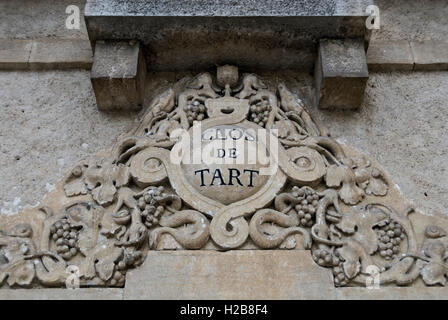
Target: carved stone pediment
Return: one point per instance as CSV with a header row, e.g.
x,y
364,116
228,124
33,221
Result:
x,y
223,163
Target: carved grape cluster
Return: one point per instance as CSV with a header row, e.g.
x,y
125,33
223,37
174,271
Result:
x,y
306,209
194,110
390,234
340,279
325,258
65,237
130,259
259,113
151,210
118,278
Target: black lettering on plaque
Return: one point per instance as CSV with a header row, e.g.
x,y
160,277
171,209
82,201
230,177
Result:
x,y
202,175
221,153
218,175
237,176
237,130
251,172
204,135
220,135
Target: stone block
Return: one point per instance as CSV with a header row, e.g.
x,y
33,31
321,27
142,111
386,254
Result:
x,y
62,294
213,8
185,35
14,54
49,54
118,75
240,274
340,74
392,293
430,55
390,56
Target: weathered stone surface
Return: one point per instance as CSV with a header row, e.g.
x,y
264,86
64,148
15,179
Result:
x,y
21,19
340,74
317,291
62,294
349,213
45,54
390,56
182,35
403,293
241,274
118,75
430,55
226,8
385,128
60,54
414,20
14,54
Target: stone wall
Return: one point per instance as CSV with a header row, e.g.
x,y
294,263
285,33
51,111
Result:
x,y
49,119
49,122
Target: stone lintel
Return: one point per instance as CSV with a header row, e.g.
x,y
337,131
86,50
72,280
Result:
x,y
250,274
390,56
213,8
191,35
240,274
118,75
340,74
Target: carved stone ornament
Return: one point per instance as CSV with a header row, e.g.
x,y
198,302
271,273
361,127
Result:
x,y
155,191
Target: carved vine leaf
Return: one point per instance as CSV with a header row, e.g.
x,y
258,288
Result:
x,y
434,249
100,257
362,177
21,273
74,185
377,185
334,176
14,267
360,223
434,273
75,188
101,176
104,179
369,178
350,193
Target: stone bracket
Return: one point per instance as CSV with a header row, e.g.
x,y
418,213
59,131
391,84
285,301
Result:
x,y
340,73
118,75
